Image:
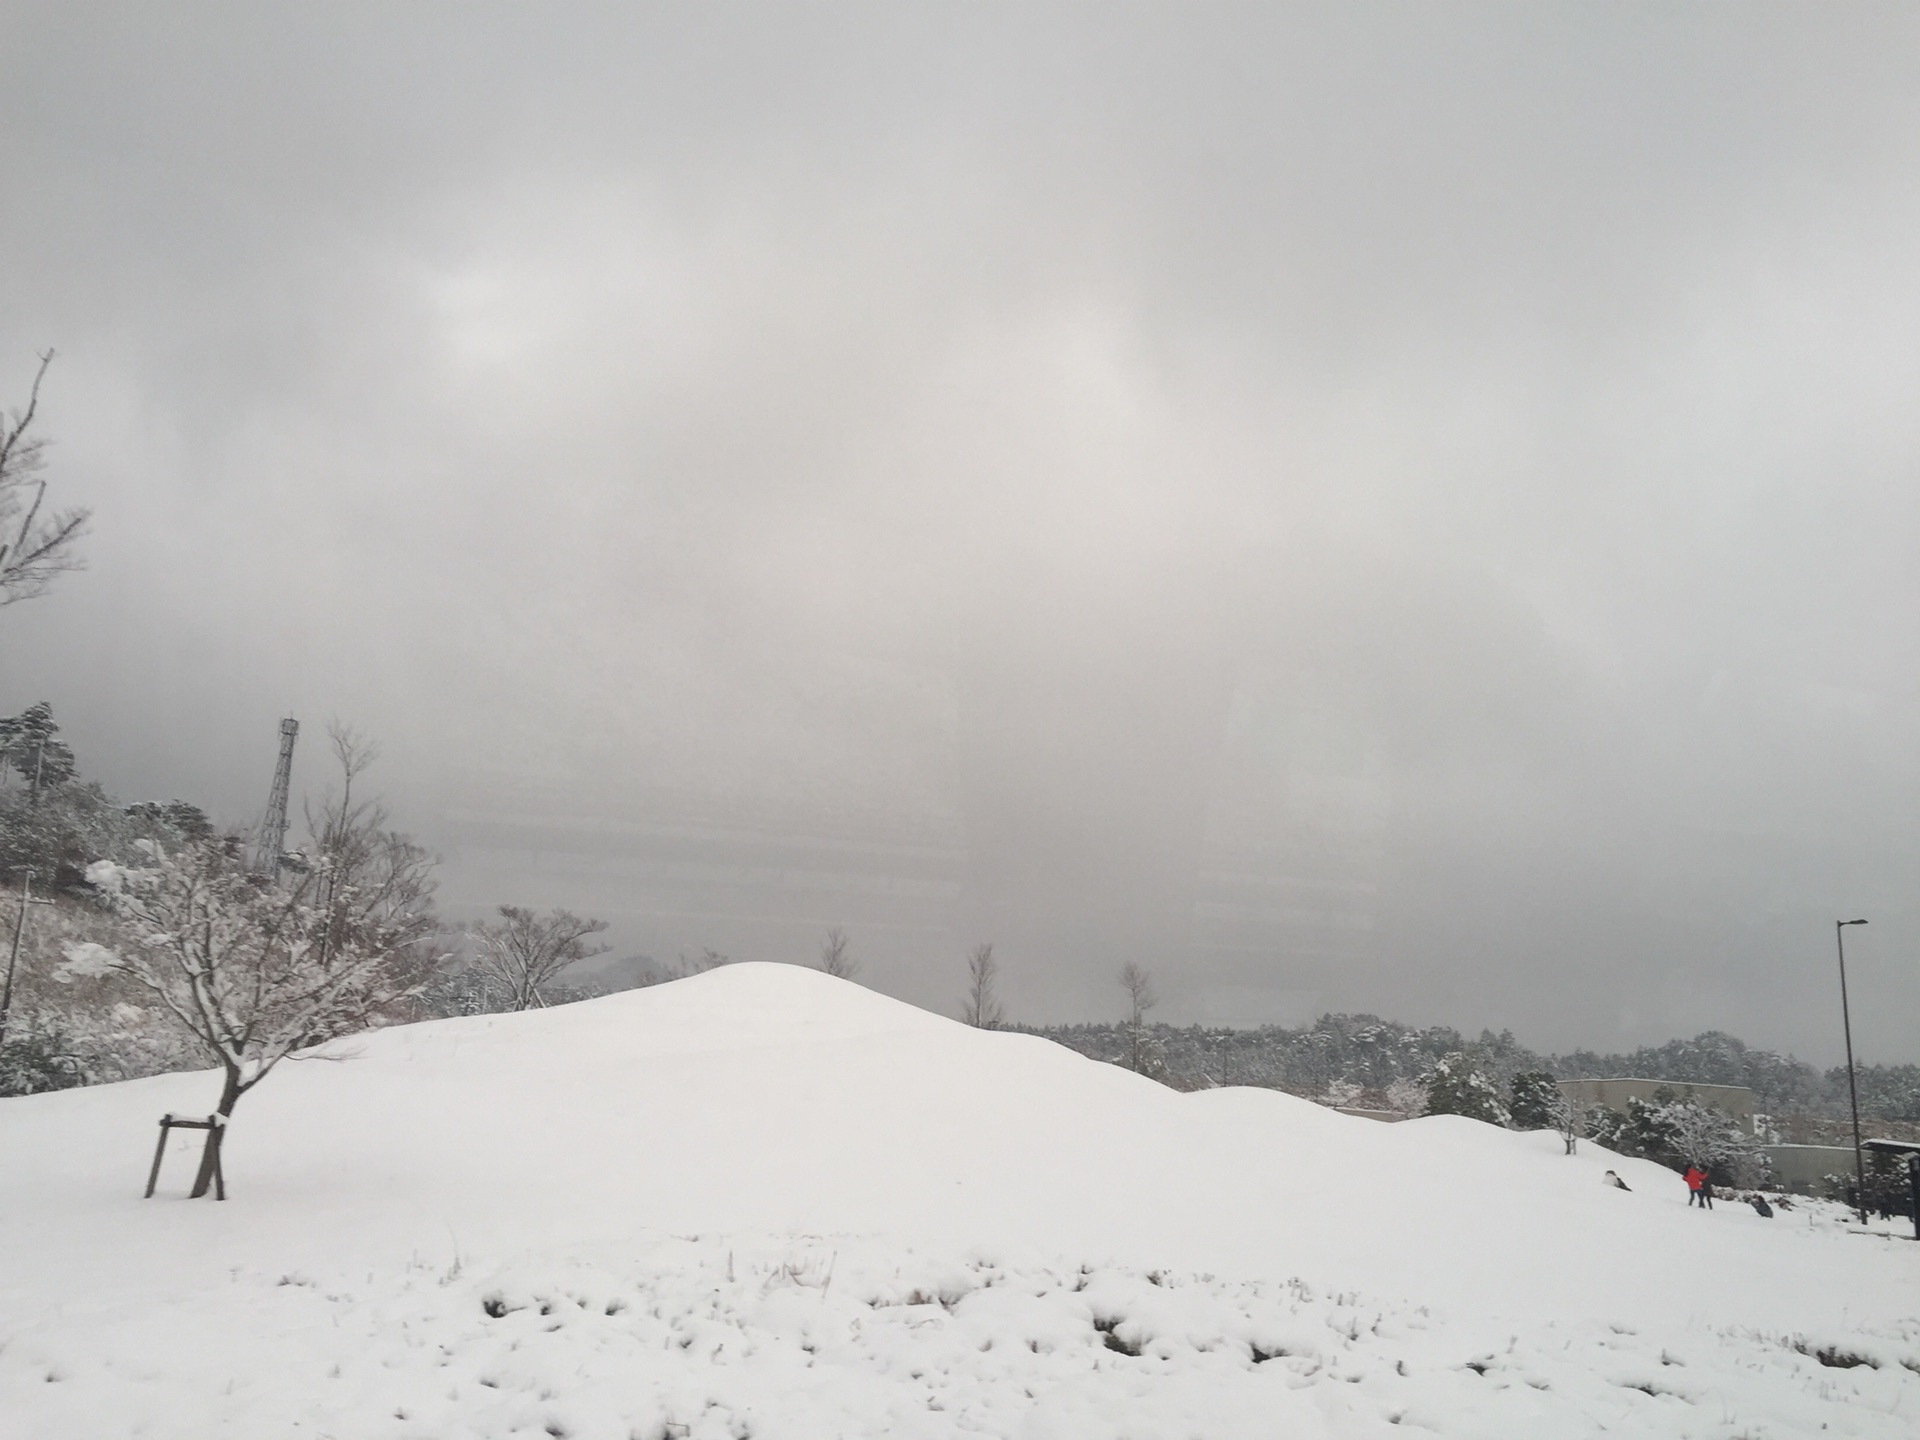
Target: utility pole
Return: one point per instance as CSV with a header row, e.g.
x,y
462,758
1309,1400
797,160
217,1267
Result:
x,y
273,829
13,955
1853,1090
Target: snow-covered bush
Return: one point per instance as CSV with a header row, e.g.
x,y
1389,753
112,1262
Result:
x,y
37,1056
1888,1192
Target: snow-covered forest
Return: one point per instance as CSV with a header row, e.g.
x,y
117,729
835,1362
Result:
x,y
1364,1060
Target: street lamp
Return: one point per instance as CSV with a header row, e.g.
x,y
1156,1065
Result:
x,y
1853,1091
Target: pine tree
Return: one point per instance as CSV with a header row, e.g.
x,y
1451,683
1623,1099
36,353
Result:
x,y
30,747
1458,1086
1535,1101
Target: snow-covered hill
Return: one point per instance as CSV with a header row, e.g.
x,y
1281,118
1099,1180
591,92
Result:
x,y
762,1201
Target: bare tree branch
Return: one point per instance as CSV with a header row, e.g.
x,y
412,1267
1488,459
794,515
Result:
x,y
32,549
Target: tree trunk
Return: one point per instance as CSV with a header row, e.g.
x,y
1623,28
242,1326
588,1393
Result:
x,y
210,1152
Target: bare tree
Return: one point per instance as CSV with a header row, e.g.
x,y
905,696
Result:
x,y
34,547
835,957
523,950
344,834
1568,1120
353,752
1140,999
983,1007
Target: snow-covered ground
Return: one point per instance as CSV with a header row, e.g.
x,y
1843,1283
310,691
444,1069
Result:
x,y
765,1202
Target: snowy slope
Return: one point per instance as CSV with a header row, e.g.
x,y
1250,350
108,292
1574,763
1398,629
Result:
x,y
771,1162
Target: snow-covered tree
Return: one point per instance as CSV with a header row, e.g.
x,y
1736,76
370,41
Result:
x,y
36,544
1678,1133
59,827
250,969
32,749
176,820
983,1008
1458,1085
1535,1101
1697,1131
1625,1132
523,951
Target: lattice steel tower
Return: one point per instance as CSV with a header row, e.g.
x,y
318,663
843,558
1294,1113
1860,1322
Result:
x,y
273,829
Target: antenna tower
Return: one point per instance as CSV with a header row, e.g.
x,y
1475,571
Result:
x,y
273,830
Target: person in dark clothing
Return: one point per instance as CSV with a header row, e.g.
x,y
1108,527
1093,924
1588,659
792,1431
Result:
x,y
1761,1208
1706,1191
1617,1183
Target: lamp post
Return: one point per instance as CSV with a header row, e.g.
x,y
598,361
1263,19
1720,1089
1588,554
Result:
x,y
1853,1090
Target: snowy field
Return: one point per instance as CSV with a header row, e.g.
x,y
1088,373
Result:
x,y
762,1202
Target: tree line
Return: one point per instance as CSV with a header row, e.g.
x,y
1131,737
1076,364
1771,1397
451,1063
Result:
x,y
1365,1061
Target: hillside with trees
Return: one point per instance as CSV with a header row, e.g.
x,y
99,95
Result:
x,y
142,938
1367,1062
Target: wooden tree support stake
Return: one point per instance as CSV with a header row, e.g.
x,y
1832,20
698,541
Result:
x,y
217,1124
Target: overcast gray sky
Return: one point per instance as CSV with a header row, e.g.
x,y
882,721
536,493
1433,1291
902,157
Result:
x,y
1409,508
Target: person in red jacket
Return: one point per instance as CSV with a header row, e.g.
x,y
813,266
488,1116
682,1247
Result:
x,y
1696,1177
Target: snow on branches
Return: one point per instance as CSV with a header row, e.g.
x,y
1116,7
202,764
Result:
x,y
253,968
35,544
